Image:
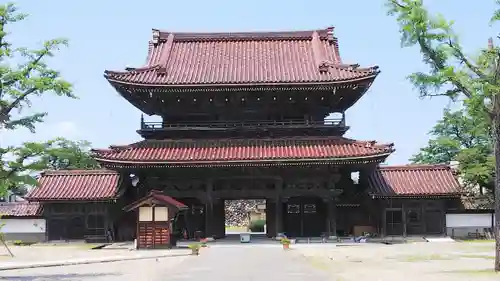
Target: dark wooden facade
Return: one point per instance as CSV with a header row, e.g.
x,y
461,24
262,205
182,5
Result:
x,y
78,220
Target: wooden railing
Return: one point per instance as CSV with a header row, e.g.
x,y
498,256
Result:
x,y
329,122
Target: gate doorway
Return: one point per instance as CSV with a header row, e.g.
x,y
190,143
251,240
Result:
x,y
246,215
191,223
304,217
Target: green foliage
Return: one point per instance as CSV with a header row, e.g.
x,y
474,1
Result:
x,y
67,154
20,164
451,73
2,224
285,241
24,74
474,81
257,225
22,243
466,135
194,246
460,137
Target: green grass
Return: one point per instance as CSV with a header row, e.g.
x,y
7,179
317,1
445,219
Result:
x,y
84,246
472,256
482,272
419,258
318,263
477,241
236,228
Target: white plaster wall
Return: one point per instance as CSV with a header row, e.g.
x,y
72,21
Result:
x,y
23,225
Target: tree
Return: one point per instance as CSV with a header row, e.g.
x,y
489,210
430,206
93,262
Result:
x,y
66,154
32,157
23,75
460,137
473,80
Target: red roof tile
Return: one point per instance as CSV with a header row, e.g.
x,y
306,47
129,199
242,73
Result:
x,y
414,180
242,150
20,209
83,185
159,196
259,58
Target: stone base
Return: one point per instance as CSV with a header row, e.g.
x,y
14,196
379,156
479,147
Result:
x,y
25,237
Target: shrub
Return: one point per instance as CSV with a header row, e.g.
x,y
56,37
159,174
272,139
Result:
x,y
22,243
285,241
257,225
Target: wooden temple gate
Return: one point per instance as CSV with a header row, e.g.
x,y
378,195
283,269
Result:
x,y
247,125
295,205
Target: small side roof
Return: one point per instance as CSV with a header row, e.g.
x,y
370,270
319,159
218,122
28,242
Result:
x,y
76,185
20,209
415,181
155,197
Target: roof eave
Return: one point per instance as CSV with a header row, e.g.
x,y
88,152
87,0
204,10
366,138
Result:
x,y
238,86
291,162
417,196
59,200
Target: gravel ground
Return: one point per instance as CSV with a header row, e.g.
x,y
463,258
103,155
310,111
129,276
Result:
x,y
147,270
419,261
214,264
71,251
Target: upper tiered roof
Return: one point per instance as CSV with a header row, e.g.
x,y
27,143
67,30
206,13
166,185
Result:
x,y
292,58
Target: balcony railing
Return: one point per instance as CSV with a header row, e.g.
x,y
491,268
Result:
x,y
329,122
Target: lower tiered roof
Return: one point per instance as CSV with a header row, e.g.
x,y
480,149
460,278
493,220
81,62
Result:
x,y
386,181
243,152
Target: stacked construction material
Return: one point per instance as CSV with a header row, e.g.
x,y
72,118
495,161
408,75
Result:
x,y
237,211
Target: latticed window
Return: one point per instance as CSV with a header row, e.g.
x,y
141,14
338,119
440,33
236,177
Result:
x,y
293,208
309,208
394,222
197,210
413,216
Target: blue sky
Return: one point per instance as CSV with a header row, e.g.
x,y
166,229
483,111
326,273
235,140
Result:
x,y
113,34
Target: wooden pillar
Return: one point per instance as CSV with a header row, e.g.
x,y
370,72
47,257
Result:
x,y
279,215
279,207
270,217
403,214
384,218
219,218
209,210
331,216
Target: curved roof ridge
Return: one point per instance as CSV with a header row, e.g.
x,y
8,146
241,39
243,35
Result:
x,y
374,69
369,143
132,70
77,172
415,167
324,33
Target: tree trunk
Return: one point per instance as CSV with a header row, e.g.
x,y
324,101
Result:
x,y
496,130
